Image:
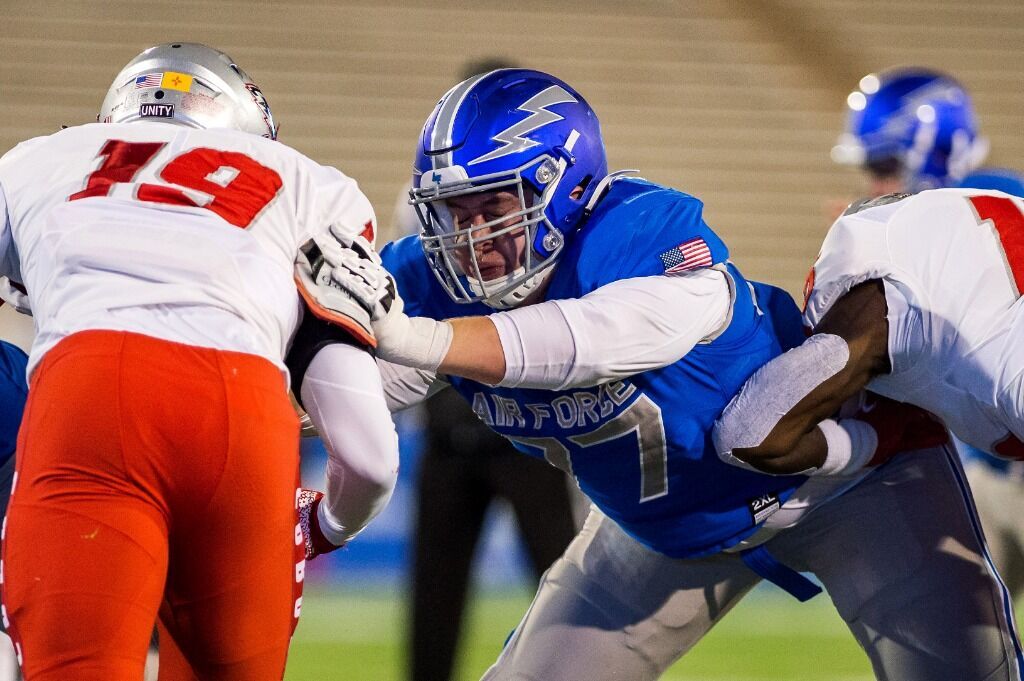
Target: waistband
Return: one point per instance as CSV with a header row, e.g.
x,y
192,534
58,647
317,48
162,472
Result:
x,y
236,366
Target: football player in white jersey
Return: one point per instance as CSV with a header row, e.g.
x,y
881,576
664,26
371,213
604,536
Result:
x,y
914,128
915,297
157,465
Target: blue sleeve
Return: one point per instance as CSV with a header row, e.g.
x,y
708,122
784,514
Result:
x,y
782,312
13,391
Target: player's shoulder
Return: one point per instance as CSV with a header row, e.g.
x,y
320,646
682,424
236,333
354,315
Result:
x,y
640,228
23,150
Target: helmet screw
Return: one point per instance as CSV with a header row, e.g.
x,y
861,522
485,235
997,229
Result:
x,y
546,172
552,240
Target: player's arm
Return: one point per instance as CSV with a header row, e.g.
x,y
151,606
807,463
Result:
x,y
623,328
782,421
339,386
343,396
773,423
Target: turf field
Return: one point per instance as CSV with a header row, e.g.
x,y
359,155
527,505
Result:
x,y
358,635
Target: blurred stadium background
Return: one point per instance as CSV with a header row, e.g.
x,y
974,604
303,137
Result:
x,y
735,101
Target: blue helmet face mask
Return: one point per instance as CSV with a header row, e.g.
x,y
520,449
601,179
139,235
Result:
x,y
913,123
524,137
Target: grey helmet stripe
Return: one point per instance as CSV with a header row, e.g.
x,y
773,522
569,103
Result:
x,y
445,121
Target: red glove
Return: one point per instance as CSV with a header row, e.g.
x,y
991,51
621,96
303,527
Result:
x,y
309,522
901,427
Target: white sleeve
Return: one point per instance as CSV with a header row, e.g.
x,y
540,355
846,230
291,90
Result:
x,y
621,329
406,386
343,395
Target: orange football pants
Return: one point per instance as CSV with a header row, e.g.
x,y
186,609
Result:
x,y
153,477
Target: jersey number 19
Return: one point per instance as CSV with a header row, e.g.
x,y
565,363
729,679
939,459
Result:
x,y
228,183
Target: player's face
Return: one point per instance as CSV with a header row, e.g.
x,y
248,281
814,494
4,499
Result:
x,y
498,252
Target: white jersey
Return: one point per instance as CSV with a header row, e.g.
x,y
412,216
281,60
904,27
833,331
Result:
x,y
952,264
182,234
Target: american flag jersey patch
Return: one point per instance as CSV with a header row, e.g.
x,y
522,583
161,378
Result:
x,y
148,80
687,256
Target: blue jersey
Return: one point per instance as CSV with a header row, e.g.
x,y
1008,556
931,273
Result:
x,y
640,448
13,391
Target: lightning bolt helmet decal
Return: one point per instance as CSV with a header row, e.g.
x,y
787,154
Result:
x,y
513,137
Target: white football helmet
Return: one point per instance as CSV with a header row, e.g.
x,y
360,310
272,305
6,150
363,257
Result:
x,y
191,85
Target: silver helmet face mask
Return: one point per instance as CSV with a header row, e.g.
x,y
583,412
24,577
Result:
x,y
191,85
455,252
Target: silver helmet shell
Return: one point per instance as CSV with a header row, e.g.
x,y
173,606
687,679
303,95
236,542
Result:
x,y
189,84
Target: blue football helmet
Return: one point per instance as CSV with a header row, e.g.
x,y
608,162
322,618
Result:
x,y
912,122
513,130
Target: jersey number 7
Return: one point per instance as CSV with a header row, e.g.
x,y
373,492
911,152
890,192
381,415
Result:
x,y
1008,220
228,183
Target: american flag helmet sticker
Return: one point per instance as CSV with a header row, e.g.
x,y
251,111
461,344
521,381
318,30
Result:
x,y
689,255
148,80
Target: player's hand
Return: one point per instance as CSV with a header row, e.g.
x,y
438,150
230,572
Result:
x,y
900,427
418,342
309,521
341,280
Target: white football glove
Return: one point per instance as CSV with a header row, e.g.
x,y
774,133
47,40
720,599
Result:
x,y
347,304
418,342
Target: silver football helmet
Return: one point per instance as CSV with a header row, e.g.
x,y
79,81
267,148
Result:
x,y
191,85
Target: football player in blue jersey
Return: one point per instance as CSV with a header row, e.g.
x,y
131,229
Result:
x,y
910,129
915,128
595,320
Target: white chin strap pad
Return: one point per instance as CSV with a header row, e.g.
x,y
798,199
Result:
x,y
773,390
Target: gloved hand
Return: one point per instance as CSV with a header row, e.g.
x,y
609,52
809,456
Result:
x,y
309,522
347,300
418,342
901,427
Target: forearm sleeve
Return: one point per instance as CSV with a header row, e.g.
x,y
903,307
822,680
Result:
x,y
343,395
623,328
406,386
774,390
